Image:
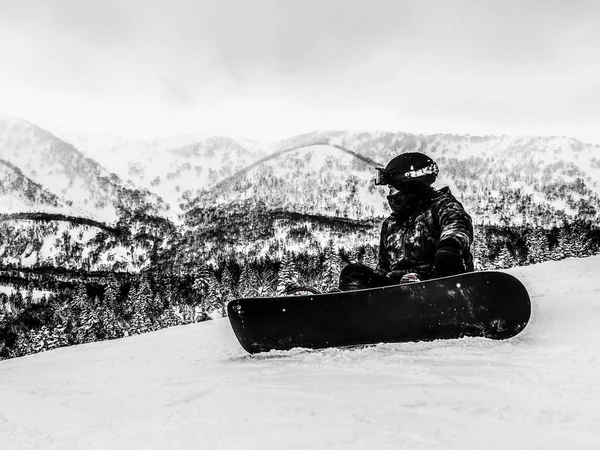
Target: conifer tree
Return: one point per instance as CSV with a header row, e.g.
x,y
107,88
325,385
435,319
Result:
x,y
16,302
287,275
112,293
480,250
248,282
331,269
213,299
110,325
266,284
140,322
200,285
44,339
29,295
169,318
80,297
505,259
538,247
152,304
579,234
89,323
229,290
56,337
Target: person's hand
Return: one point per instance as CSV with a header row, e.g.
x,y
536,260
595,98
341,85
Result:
x,y
410,278
448,259
400,276
396,275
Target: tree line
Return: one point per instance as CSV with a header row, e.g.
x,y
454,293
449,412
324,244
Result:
x,y
111,306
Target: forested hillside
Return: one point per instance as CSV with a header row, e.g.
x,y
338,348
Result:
x,y
90,253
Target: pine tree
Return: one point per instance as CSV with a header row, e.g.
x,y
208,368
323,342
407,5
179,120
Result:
x,y
538,248
151,304
129,303
565,246
169,318
200,284
29,295
16,302
480,250
141,296
288,274
505,259
331,269
80,297
24,344
213,298
110,325
248,282
89,323
229,290
579,233
57,337
45,339
112,293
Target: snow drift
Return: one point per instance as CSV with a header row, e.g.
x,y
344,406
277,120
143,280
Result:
x,y
194,387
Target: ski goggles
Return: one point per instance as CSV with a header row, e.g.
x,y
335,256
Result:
x,y
397,178
383,177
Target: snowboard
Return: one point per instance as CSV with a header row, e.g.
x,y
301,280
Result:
x,y
488,304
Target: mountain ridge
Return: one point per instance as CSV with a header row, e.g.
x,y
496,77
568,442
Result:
x,y
80,182
500,179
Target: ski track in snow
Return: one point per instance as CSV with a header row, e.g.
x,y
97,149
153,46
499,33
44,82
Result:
x,y
193,387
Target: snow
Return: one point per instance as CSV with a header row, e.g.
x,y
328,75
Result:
x,y
194,387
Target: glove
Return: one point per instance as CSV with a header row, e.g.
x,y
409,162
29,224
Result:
x,y
396,275
448,259
400,276
410,278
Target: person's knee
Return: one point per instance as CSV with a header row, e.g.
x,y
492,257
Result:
x,y
355,276
355,270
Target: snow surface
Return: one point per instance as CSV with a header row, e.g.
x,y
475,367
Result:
x,y
193,387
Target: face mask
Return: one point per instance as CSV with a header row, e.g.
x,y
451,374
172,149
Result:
x,y
401,202
405,201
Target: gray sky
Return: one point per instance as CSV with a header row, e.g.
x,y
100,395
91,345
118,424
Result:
x,y
273,68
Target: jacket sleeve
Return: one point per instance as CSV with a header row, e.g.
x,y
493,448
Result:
x,y
383,264
455,223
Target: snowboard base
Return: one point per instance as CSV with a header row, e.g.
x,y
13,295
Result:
x,y
488,304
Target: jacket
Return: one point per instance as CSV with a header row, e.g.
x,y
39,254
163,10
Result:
x,y
409,244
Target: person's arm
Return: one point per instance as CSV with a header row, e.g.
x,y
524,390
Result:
x,y
455,239
383,263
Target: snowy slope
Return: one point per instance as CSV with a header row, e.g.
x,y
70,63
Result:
x,y
194,387
48,166
170,166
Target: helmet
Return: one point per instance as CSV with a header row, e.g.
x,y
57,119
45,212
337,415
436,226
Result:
x,y
408,167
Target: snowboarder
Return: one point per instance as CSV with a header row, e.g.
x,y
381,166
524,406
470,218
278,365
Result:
x,y
428,234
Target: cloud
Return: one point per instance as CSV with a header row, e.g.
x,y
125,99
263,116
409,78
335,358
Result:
x,y
311,62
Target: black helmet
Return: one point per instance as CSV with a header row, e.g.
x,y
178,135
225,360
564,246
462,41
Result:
x,y
408,167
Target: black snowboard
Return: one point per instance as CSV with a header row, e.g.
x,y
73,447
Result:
x,y
490,304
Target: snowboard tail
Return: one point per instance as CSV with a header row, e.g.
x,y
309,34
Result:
x,y
488,304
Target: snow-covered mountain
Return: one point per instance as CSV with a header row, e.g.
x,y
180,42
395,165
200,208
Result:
x,y
193,386
509,180
19,193
174,167
501,179
76,183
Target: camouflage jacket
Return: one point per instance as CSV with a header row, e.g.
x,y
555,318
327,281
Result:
x,y
409,245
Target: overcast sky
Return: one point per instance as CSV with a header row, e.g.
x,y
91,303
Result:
x,y
273,68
